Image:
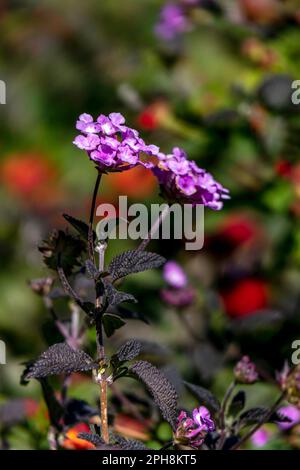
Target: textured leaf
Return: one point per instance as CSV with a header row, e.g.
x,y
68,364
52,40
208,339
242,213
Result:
x,y
129,350
204,396
64,247
134,261
91,269
60,359
237,403
115,297
81,227
111,323
90,437
127,314
130,444
163,392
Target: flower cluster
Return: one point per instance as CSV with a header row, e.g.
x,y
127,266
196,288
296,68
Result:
x,y
192,431
181,180
173,22
111,144
245,371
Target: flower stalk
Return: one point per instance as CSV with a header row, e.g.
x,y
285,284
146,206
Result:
x,y
99,329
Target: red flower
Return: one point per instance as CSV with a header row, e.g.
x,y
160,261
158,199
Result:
x,y
283,168
261,11
30,177
152,116
245,297
238,229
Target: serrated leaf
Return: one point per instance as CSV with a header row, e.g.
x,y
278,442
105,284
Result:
x,y
130,444
134,261
115,297
81,227
91,269
60,359
237,404
64,248
111,323
90,437
127,352
204,396
161,389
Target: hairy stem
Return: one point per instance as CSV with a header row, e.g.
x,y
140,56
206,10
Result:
x,y
101,354
260,423
154,228
91,220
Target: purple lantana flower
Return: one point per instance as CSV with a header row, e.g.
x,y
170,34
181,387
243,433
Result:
x,y
174,275
111,144
178,293
181,180
192,431
173,21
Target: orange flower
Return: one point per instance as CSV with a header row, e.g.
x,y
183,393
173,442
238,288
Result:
x,y
73,442
136,183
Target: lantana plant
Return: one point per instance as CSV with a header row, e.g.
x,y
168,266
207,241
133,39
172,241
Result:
x,y
114,147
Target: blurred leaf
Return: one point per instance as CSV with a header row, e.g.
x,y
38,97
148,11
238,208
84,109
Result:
x,y
204,396
237,403
62,248
111,323
81,227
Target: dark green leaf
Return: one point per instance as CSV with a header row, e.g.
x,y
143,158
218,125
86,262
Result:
x,y
81,227
237,404
111,323
115,297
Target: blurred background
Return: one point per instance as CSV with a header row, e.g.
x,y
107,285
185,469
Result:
x,y
217,83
